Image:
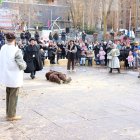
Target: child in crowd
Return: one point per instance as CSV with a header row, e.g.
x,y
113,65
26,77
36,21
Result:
x,y
90,56
101,56
130,59
83,54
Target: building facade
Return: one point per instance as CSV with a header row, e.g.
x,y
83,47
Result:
x,y
32,13
121,14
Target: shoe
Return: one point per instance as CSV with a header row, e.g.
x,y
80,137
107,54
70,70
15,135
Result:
x,y
119,70
67,80
32,76
13,118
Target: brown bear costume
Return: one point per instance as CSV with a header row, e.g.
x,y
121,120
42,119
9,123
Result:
x,y
57,77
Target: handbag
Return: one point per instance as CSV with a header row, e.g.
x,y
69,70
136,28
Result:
x,y
109,57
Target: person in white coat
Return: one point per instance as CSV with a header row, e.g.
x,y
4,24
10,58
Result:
x,y
113,59
11,74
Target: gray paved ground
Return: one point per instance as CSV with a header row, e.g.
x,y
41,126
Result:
x,y
94,106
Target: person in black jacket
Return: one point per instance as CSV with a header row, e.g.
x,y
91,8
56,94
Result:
x,y
52,52
32,57
22,36
96,49
27,36
78,53
36,35
71,54
2,39
63,36
126,53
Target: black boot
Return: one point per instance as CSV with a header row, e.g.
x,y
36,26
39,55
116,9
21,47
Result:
x,y
110,70
118,70
32,75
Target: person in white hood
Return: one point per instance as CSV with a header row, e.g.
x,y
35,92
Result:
x,y
11,74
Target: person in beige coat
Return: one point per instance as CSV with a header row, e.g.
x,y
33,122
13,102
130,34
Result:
x,y
113,59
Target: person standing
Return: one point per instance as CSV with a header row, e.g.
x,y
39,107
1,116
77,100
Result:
x,y
96,49
32,57
11,74
102,56
2,39
138,62
113,59
50,36
36,35
52,48
27,36
63,36
83,54
71,54
22,36
83,36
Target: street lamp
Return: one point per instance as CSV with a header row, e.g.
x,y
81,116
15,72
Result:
x,y
83,19
130,19
130,15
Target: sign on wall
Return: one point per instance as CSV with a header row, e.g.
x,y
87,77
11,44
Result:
x,y
7,18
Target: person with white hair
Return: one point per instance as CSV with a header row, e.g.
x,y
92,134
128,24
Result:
x,y
113,58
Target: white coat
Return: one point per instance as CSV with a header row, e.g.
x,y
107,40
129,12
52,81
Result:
x,y
114,62
11,73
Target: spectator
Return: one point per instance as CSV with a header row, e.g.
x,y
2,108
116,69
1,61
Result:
x,y
50,36
2,39
22,36
56,37
52,52
63,36
83,36
11,74
71,55
36,35
27,36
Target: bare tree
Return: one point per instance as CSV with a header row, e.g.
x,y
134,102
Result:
x,y
76,11
94,12
106,4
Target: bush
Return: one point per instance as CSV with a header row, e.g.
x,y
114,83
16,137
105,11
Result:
x,y
90,31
